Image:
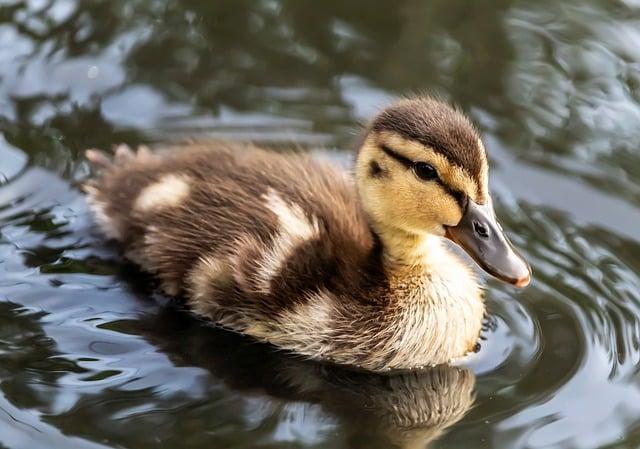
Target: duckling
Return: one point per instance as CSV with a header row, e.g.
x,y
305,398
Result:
x,y
293,251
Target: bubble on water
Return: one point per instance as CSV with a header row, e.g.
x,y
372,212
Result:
x,y
93,72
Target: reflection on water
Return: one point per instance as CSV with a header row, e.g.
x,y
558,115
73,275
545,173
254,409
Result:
x,y
92,357
407,410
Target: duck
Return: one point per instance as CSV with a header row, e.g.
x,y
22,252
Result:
x,y
352,267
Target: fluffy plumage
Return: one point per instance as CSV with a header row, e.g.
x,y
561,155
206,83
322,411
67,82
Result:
x,y
279,246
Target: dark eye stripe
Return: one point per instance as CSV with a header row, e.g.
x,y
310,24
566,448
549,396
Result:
x,y
398,157
460,197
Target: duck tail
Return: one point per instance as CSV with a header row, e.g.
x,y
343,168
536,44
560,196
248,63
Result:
x,y
102,162
122,155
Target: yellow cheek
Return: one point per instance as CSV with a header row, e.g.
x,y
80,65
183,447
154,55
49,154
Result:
x,y
450,212
406,203
431,206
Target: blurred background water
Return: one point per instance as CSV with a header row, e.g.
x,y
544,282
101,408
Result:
x,y
91,357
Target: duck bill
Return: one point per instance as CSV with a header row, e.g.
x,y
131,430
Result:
x,y
481,236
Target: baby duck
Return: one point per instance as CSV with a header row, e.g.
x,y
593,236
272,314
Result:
x,y
293,251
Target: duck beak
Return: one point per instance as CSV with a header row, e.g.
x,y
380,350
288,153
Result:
x,y
481,236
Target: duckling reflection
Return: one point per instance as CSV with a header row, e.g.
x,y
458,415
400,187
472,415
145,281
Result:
x,y
404,410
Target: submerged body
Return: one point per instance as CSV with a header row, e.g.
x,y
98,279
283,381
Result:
x,y
285,248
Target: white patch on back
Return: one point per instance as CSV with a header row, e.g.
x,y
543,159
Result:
x,y
295,228
169,191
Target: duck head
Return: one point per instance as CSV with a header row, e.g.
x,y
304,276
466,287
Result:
x,y
422,170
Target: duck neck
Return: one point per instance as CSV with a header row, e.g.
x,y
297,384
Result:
x,y
404,252
437,300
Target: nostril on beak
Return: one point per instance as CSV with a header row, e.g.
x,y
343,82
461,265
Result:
x,y
480,229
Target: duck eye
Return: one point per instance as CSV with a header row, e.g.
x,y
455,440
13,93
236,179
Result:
x,y
424,171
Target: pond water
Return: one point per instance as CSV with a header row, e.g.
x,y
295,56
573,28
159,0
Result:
x,y
92,357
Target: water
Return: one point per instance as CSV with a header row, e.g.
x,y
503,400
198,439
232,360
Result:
x,y
92,357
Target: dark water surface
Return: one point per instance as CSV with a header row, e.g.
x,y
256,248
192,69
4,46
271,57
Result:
x,y
91,357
